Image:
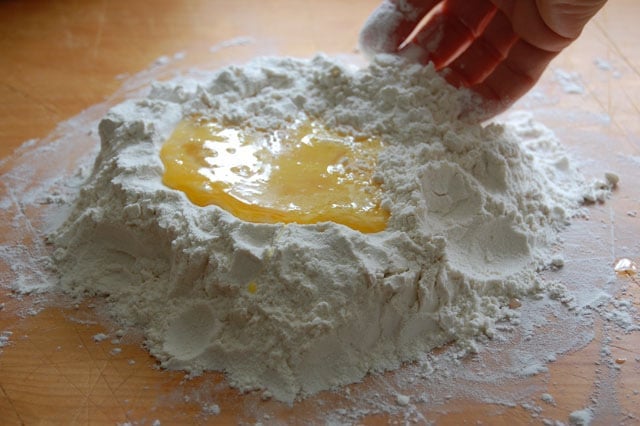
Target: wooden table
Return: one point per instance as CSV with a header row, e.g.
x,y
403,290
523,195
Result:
x,y
59,58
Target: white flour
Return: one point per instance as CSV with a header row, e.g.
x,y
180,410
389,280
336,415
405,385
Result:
x,y
474,214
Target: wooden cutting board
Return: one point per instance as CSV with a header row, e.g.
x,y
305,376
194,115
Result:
x,y
60,58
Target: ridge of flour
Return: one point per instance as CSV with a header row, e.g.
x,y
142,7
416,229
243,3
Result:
x,y
474,212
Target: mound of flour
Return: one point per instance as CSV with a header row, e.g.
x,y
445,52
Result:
x,y
474,213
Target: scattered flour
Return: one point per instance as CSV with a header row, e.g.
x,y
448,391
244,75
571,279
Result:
x,y
474,214
603,64
5,336
238,41
607,66
213,409
569,81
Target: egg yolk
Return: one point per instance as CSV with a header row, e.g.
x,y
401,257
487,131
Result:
x,y
303,174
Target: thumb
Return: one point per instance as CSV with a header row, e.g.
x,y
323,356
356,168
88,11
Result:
x,y
567,18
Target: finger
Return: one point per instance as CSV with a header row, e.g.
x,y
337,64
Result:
x,y
513,77
450,31
483,55
529,25
567,19
391,23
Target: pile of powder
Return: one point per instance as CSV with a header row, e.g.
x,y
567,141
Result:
x,y
474,212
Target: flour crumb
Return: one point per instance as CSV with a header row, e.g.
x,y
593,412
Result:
x,y
99,337
162,60
548,398
581,417
557,261
612,179
5,336
603,64
403,400
211,409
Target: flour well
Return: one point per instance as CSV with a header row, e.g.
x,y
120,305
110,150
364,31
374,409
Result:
x,y
474,212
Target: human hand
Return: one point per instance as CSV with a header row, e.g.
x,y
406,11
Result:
x,y
496,48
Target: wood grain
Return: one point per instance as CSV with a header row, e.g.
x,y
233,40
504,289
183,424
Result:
x,y
59,58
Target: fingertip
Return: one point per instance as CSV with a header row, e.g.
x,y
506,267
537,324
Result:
x,y
379,33
391,23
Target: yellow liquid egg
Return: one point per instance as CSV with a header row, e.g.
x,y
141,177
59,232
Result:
x,y
304,174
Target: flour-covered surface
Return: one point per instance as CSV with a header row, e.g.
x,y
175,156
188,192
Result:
x,y
474,212
508,321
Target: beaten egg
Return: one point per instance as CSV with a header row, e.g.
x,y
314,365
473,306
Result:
x,y
302,174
